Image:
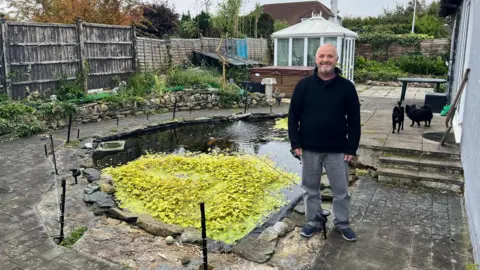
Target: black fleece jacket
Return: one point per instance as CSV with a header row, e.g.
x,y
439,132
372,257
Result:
x,y
324,116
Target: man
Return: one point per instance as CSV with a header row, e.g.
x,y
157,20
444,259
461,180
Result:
x,y
324,130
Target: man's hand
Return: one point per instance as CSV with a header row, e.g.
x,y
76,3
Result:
x,y
348,158
298,152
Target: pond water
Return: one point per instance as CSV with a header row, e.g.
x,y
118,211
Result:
x,y
256,138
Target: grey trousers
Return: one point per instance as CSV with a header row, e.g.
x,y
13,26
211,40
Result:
x,y
337,172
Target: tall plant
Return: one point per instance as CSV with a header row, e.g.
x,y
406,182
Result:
x,y
228,15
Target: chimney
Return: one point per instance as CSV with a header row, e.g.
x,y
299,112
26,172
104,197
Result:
x,y
334,9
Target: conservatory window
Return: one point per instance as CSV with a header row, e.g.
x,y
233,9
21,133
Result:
x,y
331,40
282,52
297,51
313,44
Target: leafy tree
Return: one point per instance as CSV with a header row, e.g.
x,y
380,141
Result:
x,y
265,25
159,19
204,22
189,29
120,12
256,14
228,16
279,25
431,25
399,20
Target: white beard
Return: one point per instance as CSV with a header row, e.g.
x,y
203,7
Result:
x,y
327,69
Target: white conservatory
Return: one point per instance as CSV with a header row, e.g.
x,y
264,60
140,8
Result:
x,y
298,44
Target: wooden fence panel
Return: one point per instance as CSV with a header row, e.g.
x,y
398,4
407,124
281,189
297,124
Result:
x,y
39,55
109,53
152,54
36,56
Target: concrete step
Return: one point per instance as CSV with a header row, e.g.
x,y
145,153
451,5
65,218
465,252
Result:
x,y
445,166
409,177
419,153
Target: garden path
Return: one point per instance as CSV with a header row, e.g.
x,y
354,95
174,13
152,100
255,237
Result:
x,y
384,216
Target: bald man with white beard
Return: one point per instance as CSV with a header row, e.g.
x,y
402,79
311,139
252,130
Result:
x,y
324,130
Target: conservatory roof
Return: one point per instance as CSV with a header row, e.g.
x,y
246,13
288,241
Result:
x,y
314,27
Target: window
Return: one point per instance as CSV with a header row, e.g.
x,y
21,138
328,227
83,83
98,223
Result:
x,y
298,51
331,40
313,44
282,52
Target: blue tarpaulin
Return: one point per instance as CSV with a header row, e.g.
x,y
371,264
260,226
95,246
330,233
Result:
x,y
242,48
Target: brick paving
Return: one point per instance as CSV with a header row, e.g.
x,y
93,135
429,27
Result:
x,y
26,175
393,224
400,228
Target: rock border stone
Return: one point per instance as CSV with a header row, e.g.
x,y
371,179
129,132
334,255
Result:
x,y
102,184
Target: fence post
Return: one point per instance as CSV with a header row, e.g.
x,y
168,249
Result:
x,y
134,48
81,45
261,49
4,57
169,52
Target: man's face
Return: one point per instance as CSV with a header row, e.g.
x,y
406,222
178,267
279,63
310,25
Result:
x,y
326,59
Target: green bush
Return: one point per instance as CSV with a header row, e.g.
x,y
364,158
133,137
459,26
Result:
x,y
366,70
364,75
380,38
18,120
417,64
399,67
71,89
232,93
192,78
62,108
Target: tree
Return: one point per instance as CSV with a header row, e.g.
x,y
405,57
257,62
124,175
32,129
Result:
x,y
120,12
399,20
279,25
206,4
159,19
266,25
204,22
228,16
256,13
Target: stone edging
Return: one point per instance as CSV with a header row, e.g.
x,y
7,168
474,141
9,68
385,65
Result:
x,y
262,237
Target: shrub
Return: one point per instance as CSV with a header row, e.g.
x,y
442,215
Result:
x,y
366,70
192,78
398,67
417,64
18,120
232,93
364,75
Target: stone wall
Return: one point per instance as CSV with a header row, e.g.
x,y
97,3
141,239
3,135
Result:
x,y
186,101
428,48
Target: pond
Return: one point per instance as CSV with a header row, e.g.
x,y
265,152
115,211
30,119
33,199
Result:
x,y
258,138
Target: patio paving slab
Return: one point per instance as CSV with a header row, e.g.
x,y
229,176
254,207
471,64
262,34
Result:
x,y
25,176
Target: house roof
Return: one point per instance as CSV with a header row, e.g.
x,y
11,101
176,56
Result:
x,y
293,12
314,27
448,7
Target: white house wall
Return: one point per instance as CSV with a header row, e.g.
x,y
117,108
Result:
x,y
470,143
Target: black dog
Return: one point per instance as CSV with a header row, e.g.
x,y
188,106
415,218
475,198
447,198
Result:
x,y
398,116
419,115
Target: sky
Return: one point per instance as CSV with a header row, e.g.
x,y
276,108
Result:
x,y
346,7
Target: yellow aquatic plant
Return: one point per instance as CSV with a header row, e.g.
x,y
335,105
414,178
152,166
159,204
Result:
x,y
281,124
239,190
